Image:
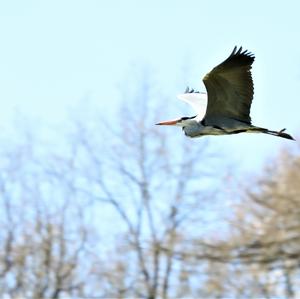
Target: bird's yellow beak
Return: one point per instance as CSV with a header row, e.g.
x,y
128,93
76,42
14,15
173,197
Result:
x,y
168,123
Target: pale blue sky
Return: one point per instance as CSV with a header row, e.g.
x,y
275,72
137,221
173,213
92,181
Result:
x,y
54,53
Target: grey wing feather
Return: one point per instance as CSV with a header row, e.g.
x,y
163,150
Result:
x,y
230,88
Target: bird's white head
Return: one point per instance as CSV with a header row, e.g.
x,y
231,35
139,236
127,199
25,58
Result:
x,y
180,122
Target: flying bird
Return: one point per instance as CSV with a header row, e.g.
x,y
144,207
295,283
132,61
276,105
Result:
x,y
225,109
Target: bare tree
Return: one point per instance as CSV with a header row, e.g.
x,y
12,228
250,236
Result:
x,y
43,234
157,196
260,256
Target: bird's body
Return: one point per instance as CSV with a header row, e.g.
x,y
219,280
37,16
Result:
x,y
221,126
225,109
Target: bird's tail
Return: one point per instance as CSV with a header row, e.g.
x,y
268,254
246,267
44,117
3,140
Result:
x,y
274,133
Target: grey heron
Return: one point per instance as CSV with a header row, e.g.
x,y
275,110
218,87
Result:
x,y
225,109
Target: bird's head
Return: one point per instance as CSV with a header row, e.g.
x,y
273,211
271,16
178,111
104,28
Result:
x,y
180,122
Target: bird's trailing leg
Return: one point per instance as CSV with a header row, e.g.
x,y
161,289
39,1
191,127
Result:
x,y
274,133
284,135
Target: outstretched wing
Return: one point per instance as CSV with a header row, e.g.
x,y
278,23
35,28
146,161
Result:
x,y
197,100
230,88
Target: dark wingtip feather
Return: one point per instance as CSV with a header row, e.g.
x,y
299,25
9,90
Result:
x,y
233,52
240,52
